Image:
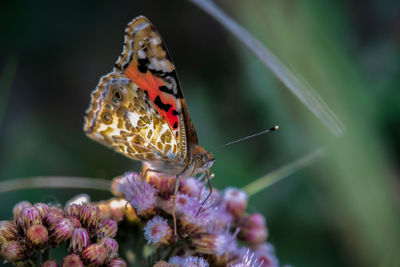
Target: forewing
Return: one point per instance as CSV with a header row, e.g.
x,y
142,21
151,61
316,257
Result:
x,y
145,60
123,117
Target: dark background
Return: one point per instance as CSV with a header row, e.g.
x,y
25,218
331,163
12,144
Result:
x,y
341,211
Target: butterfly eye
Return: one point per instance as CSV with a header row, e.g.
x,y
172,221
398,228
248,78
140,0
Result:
x,y
107,119
117,95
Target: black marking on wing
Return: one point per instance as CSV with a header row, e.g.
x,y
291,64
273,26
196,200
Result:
x,y
143,65
166,90
161,105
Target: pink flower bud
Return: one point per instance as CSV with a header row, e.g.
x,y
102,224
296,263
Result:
x,y
49,263
42,208
162,264
72,260
236,201
118,263
95,254
75,221
90,215
217,244
111,245
253,229
8,231
13,251
29,216
37,236
61,232
79,240
107,228
73,210
52,217
19,207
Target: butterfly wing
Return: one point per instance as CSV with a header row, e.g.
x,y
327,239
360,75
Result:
x,y
145,60
123,117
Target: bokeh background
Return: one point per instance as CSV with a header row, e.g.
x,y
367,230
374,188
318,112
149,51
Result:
x,y
343,210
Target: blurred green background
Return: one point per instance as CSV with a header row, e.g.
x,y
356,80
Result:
x,y
341,211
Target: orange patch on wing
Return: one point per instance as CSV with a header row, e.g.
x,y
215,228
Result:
x,y
150,83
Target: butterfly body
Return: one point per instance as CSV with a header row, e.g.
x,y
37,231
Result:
x,y
139,110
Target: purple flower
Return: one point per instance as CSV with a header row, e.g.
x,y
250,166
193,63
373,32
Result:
x,y
157,231
188,261
79,240
235,201
140,194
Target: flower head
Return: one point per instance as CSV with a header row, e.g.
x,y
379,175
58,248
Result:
x,y
13,251
235,201
79,240
95,254
158,232
37,236
8,231
253,229
140,194
72,260
190,261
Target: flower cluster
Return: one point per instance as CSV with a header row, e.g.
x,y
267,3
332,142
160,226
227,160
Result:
x,y
210,227
36,229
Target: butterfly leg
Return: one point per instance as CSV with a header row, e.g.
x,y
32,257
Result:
x,y
209,194
174,202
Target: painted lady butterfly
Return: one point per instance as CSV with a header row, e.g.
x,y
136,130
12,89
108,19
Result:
x,y
139,110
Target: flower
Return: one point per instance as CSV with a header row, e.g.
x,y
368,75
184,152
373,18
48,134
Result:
x,y
139,193
29,216
111,245
107,228
216,244
235,201
253,229
49,263
72,260
37,236
61,232
79,240
95,254
8,232
40,227
117,263
158,232
89,216
191,261
13,251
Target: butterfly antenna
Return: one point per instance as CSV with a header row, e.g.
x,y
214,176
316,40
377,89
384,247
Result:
x,y
275,128
209,194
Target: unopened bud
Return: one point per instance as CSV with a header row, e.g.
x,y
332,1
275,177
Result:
x,y
37,236
117,263
107,228
72,260
61,232
13,251
79,240
8,231
95,254
49,263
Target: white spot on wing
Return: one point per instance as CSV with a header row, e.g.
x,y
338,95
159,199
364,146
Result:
x,y
141,54
140,26
134,118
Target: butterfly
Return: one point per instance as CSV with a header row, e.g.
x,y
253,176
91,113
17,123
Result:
x,y
139,110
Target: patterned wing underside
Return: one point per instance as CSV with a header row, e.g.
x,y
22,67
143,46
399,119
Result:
x,y
145,60
123,117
